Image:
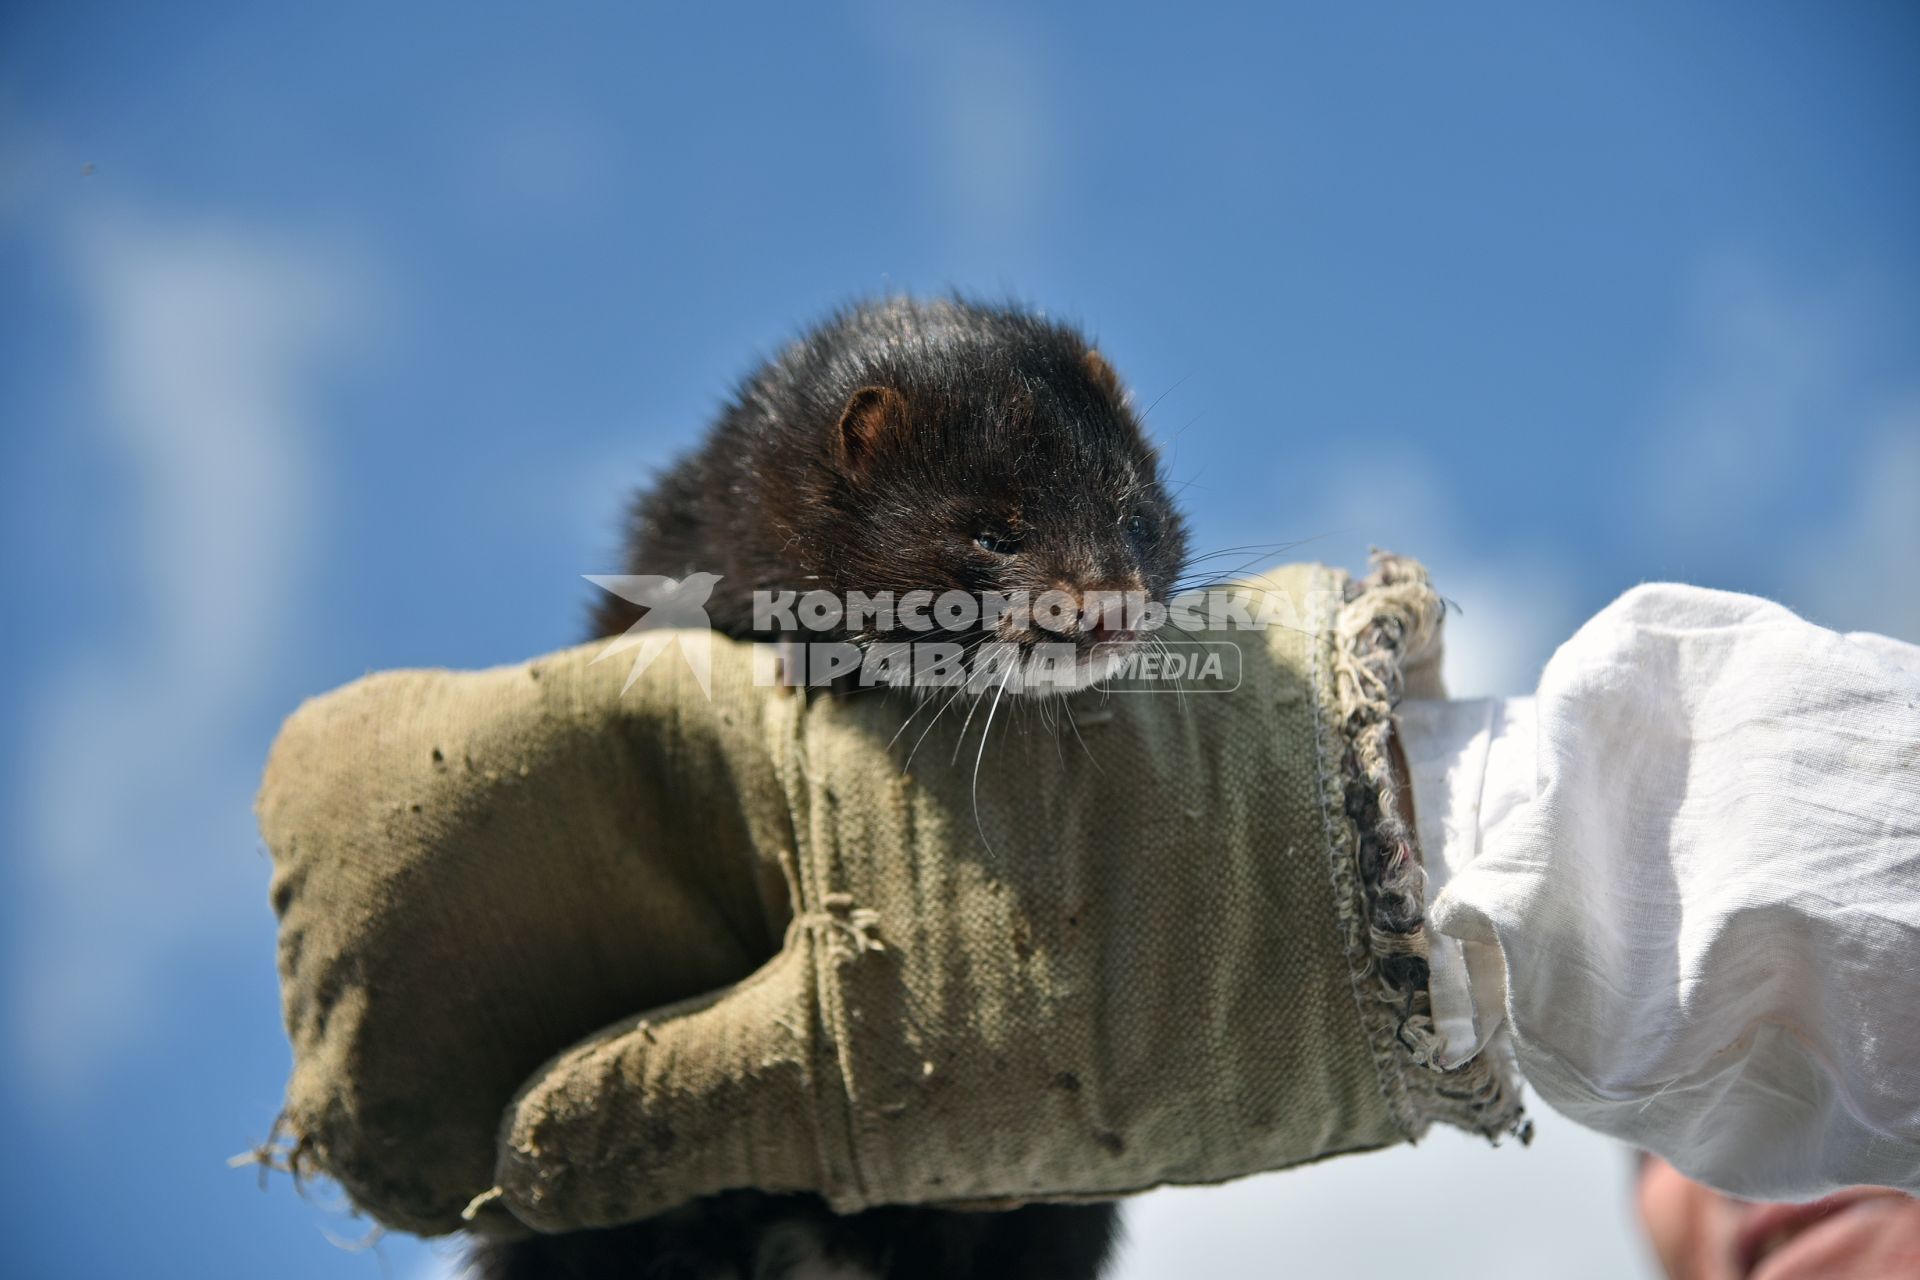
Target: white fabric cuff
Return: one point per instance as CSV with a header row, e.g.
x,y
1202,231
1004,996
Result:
x,y
1693,860
1469,763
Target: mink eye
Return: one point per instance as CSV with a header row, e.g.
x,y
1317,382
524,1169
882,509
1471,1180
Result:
x,y
999,544
1139,528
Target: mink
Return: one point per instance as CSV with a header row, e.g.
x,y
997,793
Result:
x,y
922,446
902,445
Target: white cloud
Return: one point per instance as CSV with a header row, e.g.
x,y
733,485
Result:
x,y
1511,615
1772,383
983,91
1452,1206
1757,377
1862,573
204,339
1513,607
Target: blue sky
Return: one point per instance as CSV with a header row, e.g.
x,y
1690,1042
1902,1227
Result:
x,y
330,340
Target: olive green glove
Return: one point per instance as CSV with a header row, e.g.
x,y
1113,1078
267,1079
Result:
x,y
1184,946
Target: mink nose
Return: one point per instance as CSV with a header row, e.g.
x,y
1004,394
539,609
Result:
x,y
1108,611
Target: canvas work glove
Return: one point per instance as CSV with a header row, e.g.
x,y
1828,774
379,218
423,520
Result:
x,y
770,952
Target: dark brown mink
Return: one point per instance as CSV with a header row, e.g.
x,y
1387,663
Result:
x,y
907,445
902,445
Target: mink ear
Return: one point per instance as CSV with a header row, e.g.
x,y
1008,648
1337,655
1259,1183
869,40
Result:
x,y
1102,374
873,416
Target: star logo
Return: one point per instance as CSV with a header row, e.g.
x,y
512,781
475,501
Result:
x,y
676,618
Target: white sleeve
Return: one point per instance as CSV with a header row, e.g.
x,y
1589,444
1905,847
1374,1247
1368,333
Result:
x,y
1686,875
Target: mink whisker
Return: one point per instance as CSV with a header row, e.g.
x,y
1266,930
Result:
x,y
981,755
951,698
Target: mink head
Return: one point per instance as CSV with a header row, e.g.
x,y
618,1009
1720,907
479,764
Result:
x,y
952,446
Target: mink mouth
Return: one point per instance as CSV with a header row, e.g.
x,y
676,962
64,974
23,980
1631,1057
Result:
x,y
1092,665
1028,666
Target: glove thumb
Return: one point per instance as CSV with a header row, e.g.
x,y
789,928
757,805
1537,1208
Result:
x,y
712,1093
